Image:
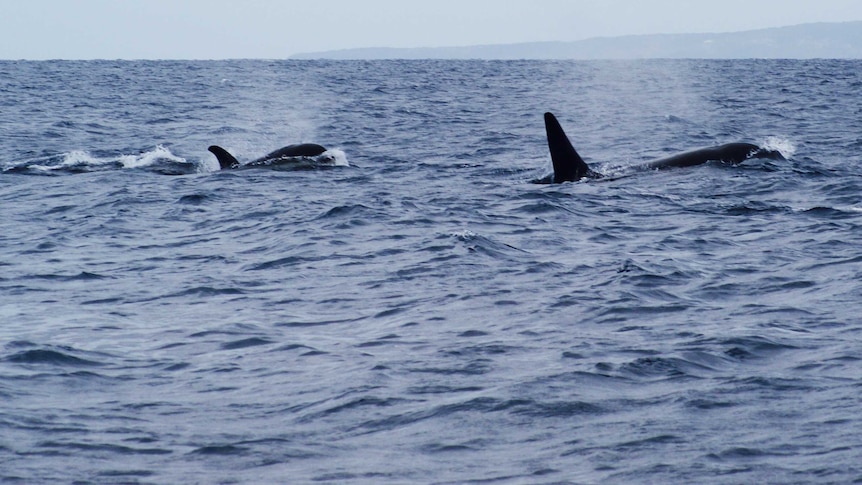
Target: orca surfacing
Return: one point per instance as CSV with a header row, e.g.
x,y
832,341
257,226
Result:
x,y
290,153
570,167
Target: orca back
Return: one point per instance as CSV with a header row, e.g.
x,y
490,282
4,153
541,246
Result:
x,y
299,150
227,161
733,153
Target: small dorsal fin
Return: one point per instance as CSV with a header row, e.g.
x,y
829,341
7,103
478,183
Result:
x,y
568,165
225,159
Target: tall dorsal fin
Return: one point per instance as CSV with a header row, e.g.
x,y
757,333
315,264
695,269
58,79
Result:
x,y
568,165
225,159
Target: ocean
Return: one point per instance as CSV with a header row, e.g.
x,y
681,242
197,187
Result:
x,y
423,313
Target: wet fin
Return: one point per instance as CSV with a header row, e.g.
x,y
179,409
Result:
x,y
225,159
568,165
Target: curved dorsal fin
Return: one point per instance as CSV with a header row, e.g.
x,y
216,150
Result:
x,y
225,159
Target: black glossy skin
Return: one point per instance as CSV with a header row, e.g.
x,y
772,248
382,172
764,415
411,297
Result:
x,y
569,166
226,160
730,152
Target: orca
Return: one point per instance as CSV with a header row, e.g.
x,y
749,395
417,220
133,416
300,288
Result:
x,y
290,153
570,167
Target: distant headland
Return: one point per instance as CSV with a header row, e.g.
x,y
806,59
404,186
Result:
x,y
840,40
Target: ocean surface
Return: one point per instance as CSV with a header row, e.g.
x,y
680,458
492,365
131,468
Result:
x,y
423,313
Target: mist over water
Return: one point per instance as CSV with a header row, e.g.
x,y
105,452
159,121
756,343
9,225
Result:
x,y
423,313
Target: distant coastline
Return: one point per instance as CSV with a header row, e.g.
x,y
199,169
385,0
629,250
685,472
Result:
x,y
840,40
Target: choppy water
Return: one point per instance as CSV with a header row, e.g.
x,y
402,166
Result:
x,y
425,314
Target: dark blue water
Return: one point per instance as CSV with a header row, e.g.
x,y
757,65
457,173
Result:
x,y
425,314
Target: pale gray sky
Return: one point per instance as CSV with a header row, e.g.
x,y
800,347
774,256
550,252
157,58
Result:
x,y
224,29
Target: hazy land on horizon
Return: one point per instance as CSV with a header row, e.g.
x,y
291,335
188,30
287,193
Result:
x,y
808,41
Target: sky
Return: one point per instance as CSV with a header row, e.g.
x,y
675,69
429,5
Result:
x,y
276,29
